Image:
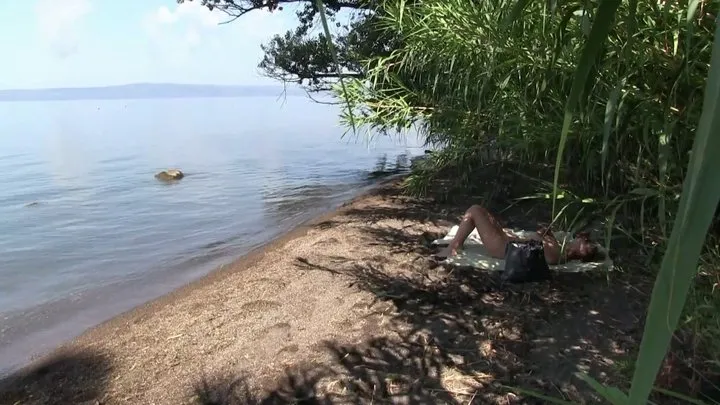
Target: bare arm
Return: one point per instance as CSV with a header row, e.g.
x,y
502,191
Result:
x,y
550,245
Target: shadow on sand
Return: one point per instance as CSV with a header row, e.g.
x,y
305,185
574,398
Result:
x,y
449,336
64,378
457,341
454,336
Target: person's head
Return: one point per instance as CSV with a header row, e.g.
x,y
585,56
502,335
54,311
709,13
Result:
x,y
581,248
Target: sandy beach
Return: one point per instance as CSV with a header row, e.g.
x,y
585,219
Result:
x,y
347,309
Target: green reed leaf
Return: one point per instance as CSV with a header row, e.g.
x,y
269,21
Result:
x,y
686,399
691,10
538,395
610,112
592,47
611,394
326,28
515,13
699,199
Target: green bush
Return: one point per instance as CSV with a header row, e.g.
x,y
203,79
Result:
x,y
616,93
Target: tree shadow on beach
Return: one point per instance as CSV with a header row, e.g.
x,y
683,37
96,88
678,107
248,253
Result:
x,y
63,378
297,386
379,371
534,336
455,335
398,241
457,338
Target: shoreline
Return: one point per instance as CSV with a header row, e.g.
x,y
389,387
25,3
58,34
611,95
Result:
x,y
237,265
345,308
217,273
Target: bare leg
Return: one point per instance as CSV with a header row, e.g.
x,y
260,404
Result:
x,y
489,228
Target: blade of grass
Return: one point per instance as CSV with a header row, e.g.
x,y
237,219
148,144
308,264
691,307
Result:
x,y
598,35
610,111
611,394
515,13
686,399
691,10
699,199
331,47
538,395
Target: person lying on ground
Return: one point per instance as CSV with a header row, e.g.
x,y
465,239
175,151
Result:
x,y
495,238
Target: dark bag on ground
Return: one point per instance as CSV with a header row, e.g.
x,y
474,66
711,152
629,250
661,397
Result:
x,y
525,262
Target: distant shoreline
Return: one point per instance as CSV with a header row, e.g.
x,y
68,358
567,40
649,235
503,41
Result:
x,y
143,91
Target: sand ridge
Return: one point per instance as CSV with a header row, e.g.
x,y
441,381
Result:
x,y
346,309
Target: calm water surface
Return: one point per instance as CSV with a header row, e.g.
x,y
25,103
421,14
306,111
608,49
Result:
x,y
87,232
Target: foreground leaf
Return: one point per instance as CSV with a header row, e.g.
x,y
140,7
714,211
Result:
x,y
611,394
321,9
598,35
699,199
538,395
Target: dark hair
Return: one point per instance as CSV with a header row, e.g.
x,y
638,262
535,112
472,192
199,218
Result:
x,y
585,250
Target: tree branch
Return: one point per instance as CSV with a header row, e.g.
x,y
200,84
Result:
x,y
338,75
310,96
238,8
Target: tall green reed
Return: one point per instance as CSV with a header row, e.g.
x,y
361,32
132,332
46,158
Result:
x,y
476,76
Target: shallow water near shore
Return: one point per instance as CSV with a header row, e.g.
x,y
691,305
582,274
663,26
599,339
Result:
x,y
87,232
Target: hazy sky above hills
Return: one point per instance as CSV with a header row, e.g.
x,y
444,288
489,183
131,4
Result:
x,y
77,43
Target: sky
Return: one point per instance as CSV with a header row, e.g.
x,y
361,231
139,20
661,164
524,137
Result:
x,y
80,43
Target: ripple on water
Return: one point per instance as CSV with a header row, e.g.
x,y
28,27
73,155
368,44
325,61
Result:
x,y
106,235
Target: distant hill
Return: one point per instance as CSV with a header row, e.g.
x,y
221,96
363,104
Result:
x,y
145,91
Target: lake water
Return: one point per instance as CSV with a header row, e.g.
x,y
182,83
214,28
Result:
x,y
87,232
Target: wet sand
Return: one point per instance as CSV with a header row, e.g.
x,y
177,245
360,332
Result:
x,y
345,309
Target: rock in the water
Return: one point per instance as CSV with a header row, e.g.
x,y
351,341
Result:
x,y
170,175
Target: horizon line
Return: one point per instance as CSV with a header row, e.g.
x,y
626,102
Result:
x,y
145,84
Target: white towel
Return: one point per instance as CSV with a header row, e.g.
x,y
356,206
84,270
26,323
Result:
x,y
474,253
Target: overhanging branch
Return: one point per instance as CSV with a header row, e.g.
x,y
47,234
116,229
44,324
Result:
x,y
238,8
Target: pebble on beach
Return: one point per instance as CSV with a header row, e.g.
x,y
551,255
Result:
x,y
170,175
